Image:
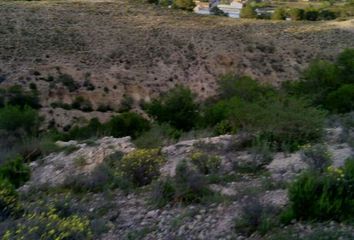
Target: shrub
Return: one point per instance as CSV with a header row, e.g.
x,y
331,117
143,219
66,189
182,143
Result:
x,y
279,14
141,166
296,14
13,118
157,136
163,192
16,96
248,12
184,4
282,120
311,14
190,185
317,156
68,82
243,87
206,163
177,108
15,171
341,100
345,63
255,217
50,225
324,196
127,124
82,104
8,200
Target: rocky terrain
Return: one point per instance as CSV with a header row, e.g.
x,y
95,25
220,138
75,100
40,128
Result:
x,y
132,215
109,51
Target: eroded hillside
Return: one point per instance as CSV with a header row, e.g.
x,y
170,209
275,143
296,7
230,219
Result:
x,y
104,51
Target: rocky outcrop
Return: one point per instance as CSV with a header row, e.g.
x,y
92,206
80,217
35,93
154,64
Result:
x,y
76,159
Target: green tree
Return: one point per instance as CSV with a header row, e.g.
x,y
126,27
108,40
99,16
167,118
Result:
x,y
279,14
341,100
248,12
13,118
177,108
296,14
184,4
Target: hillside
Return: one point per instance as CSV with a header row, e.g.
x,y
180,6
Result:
x,y
113,49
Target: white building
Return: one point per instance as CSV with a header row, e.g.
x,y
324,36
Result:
x,y
232,10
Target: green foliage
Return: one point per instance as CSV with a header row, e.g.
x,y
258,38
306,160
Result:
x,y
248,12
283,120
342,99
255,218
50,225
82,104
243,87
127,124
328,84
296,14
324,196
190,185
15,171
317,157
184,4
187,186
16,96
279,14
157,136
206,163
8,200
13,118
68,81
140,166
177,108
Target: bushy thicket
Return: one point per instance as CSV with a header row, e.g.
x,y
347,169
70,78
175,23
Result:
x,y
328,85
125,124
176,107
246,105
324,196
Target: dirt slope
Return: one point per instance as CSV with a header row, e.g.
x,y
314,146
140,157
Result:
x,y
127,47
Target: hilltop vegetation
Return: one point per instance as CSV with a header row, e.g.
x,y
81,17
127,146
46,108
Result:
x,y
87,59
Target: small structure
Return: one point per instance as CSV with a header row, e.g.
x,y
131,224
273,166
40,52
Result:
x,y
232,10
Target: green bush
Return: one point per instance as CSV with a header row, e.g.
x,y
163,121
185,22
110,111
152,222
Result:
x,y
15,171
345,63
177,108
126,124
243,87
50,225
13,118
255,217
279,14
296,14
187,186
82,104
140,166
317,157
324,196
16,96
206,163
282,120
248,12
157,136
184,4
8,200
328,85
342,99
